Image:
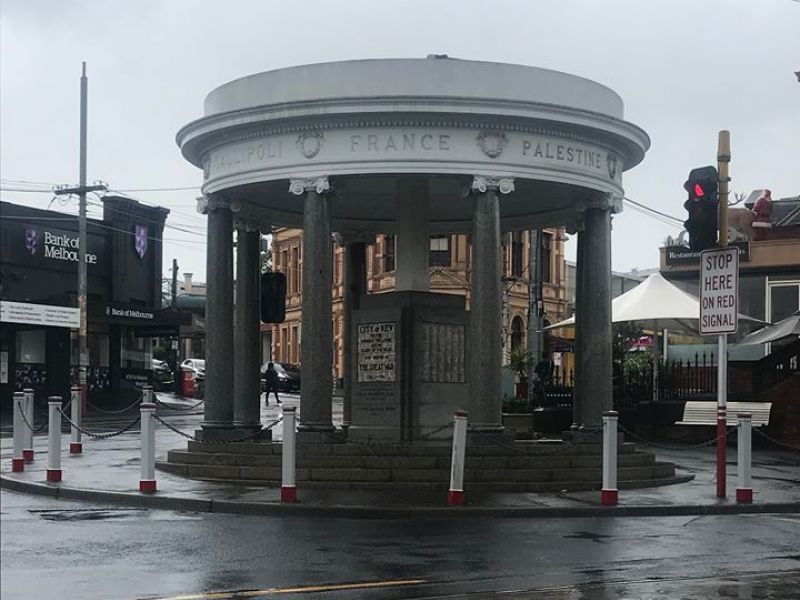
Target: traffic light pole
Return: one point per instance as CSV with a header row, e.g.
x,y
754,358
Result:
x,y
723,162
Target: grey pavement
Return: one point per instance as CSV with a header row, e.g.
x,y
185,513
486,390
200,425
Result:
x,y
108,471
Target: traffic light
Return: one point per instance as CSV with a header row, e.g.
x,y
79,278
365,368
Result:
x,y
702,206
273,297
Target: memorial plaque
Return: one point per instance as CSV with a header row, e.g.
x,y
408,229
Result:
x,y
376,352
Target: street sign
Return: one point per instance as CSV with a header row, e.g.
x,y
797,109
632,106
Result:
x,y
719,291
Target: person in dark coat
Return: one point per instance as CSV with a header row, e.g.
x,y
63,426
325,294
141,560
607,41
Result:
x,y
271,381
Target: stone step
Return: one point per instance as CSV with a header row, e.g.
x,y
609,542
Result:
x,y
347,476
407,462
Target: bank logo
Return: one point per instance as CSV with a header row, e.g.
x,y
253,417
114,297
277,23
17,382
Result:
x,y
140,240
31,240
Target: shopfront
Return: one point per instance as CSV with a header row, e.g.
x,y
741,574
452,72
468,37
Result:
x,y
38,300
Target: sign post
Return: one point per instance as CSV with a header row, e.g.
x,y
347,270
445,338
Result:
x,y
719,300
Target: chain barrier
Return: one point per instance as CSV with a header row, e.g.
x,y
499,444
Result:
x,y
430,434
776,442
115,412
165,405
100,436
193,438
27,423
678,447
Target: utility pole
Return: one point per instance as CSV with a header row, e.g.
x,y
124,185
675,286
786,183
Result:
x,y
174,288
81,191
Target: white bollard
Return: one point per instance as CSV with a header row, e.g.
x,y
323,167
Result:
x,y
744,488
54,439
608,495
27,447
17,458
288,484
75,444
455,497
147,481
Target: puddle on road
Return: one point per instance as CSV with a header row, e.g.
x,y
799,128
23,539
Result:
x,y
113,514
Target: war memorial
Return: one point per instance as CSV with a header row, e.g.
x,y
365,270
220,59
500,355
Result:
x,y
411,147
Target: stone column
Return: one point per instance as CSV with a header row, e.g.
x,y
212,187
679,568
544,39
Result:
x,y
485,333
413,238
247,328
577,389
355,286
316,345
594,306
218,407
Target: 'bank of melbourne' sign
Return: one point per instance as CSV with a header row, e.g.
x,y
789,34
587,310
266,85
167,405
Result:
x,y
55,245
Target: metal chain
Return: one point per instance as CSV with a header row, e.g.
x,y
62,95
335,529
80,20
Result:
x,y
774,441
189,436
116,412
663,446
27,423
165,405
100,436
439,429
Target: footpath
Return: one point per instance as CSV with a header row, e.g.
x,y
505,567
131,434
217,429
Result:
x,y
107,472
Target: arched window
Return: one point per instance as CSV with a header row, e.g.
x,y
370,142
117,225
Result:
x,y
516,332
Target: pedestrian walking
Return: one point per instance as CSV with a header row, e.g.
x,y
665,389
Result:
x,y
271,381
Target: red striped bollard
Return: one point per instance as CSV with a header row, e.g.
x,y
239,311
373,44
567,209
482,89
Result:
x,y
608,495
455,497
744,488
27,448
75,444
147,480
17,459
289,457
54,439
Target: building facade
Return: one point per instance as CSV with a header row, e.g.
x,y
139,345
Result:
x,y
39,317
449,262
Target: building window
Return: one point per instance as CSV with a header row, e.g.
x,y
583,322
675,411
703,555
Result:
x,y
517,327
546,257
294,269
389,253
439,251
516,254
784,299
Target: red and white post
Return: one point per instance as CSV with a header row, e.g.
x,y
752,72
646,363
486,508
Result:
x,y
722,415
289,458
608,495
27,447
455,497
147,479
54,439
75,443
744,488
17,459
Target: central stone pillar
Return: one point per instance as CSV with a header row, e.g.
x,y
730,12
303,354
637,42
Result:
x,y
316,346
413,240
247,334
218,407
594,308
355,286
485,330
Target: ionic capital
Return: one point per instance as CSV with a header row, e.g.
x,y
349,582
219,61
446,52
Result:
x,y
207,204
483,183
607,202
249,225
320,185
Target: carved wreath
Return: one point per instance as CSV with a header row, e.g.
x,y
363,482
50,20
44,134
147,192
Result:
x,y
492,142
310,143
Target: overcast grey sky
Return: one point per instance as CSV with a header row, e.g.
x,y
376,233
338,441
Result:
x,y
684,68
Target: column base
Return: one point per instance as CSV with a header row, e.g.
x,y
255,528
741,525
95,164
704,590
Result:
x,y
17,465
744,495
316,435
53,475
288,493
608,497
218,434
455,498
75,447
147,486
27,455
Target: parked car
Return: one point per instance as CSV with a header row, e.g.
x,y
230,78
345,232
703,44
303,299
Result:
x,y
162,374
196,366
288,377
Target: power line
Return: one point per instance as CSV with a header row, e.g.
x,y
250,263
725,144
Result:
x,y
653,210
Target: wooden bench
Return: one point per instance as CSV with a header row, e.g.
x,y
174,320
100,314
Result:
x,y
705,413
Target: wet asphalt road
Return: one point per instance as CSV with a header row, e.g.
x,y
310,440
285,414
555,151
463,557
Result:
x,y
58,549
